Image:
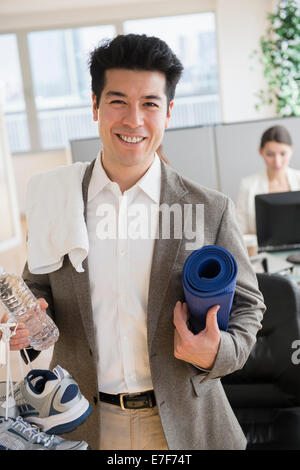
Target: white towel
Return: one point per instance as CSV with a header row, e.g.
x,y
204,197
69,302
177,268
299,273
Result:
x,y
55,219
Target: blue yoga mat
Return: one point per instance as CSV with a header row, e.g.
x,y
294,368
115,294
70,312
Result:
x,y
209,278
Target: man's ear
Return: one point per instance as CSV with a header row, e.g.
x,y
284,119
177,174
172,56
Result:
x,y
95,108
169,114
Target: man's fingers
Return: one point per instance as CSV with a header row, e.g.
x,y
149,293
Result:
x,y
42,303
20,339
180,313
4,318
18,345
21,332
185,310
180,318
211,318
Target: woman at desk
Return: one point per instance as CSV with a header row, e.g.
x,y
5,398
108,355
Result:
x,y
276,150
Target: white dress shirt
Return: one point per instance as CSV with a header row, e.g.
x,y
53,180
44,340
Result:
x,y
119,271
251,186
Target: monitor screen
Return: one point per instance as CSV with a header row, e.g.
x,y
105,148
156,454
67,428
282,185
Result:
x,y
278,221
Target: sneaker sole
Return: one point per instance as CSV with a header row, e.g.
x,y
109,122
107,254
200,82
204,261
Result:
x,y
63,422
87,447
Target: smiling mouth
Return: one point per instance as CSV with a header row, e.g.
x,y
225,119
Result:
x,y
131,140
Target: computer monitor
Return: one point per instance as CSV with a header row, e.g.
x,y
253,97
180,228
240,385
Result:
x,y
278,221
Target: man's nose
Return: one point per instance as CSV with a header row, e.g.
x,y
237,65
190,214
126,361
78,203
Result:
x,y
133,117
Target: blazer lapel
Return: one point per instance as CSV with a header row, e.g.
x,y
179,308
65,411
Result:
x,y
81,280
165,251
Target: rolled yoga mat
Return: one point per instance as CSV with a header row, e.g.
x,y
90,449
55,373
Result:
x,y
209,278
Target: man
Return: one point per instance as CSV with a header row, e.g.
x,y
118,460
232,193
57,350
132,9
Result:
x,y
159,385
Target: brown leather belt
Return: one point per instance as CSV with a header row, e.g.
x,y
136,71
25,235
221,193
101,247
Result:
x,y
135,401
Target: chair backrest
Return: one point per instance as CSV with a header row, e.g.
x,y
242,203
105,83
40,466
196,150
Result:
x,y
274,358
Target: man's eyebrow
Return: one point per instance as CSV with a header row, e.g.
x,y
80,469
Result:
x,y
123,95
115,93
152,97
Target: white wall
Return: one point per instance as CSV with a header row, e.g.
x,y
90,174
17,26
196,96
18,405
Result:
x,y
240,24
17,14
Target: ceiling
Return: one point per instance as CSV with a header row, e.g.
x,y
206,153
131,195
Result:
x,y
9,7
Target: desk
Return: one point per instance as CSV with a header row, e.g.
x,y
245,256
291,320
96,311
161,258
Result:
x,y
277,264
282,255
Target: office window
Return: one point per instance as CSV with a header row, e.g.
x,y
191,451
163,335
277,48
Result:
x,y
12,95
193,39
54,71
61,82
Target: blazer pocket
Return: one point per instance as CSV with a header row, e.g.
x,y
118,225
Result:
x,y
202,386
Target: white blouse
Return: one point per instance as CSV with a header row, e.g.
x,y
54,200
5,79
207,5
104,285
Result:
x,y
252,185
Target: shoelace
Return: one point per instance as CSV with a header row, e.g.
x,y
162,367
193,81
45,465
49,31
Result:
x,y
5,355
7,332
33,432
18,395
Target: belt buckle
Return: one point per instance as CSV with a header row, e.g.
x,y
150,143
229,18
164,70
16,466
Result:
x,y
122,400
150,401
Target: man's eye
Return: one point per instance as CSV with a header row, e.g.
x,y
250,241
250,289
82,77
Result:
x,y
117,102
151,105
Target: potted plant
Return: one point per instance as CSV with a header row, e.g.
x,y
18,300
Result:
x,y
280,56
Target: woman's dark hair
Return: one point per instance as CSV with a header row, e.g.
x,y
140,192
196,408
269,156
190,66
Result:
x,y
134,52
276,134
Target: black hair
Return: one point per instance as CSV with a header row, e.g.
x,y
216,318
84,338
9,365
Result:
x,y
134,52
276,134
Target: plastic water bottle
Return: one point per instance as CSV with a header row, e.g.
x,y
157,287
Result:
x,y
21,305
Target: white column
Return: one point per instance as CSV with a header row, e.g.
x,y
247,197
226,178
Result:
x,y
240,24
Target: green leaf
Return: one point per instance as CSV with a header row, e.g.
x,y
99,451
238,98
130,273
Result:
x,y
279,54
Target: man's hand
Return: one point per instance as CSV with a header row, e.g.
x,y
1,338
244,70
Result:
x,y
20,339
201,349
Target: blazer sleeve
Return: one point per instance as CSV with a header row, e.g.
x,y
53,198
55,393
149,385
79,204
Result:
x,y
40,287
248,306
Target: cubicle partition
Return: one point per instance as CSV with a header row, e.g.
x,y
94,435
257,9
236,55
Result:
x,y
192,152
217,156
237,150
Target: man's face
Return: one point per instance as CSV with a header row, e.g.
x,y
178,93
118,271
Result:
x,y
132,116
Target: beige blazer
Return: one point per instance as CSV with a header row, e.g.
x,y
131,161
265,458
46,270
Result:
x,y
252,185
193,407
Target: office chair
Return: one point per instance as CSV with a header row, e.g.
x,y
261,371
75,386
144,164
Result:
x,y
265,393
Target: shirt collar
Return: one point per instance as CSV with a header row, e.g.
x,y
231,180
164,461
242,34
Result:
x,y
99,179
149,183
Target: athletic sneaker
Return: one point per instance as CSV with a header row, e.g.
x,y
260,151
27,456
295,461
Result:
x,y
16,434
51,400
